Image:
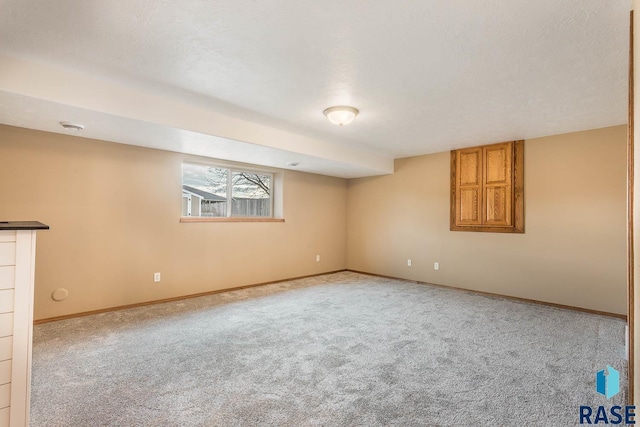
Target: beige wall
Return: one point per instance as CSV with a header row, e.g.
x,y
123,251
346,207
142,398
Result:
x,y
114,210
114,213
573,251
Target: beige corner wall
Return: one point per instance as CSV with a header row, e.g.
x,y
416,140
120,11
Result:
x,y
573,251
114,211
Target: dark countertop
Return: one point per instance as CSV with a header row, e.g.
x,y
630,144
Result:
x,y
22,225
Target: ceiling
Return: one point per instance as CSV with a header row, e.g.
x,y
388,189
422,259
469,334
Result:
x,y
248,80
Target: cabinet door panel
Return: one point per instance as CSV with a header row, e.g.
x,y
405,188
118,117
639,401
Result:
x,y
498,164
469,187
469,209
498,206
498,184
470,167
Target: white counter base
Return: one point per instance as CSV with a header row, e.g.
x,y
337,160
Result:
x,y
17,268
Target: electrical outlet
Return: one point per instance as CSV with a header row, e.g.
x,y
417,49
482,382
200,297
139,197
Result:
x,y
436,266
408,263
156,277
317,258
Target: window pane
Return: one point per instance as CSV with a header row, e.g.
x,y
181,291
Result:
x,y
251,194
204,190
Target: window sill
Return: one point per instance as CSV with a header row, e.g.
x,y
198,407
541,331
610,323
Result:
x,y
228,219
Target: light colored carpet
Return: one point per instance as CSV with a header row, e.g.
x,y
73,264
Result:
x,y
337,350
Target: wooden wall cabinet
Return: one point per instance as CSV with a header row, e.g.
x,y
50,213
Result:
x,y
487,188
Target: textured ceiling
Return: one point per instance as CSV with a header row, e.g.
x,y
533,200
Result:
x,y
427,76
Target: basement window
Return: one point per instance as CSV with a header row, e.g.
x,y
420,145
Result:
x,y
218,193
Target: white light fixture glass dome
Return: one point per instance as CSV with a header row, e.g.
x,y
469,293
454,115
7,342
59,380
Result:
x,y
341,115
72,126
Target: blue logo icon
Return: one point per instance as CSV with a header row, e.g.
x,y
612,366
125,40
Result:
x,y
608,384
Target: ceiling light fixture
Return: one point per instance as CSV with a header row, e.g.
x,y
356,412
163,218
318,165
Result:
x,y
72,126
341,115
292,164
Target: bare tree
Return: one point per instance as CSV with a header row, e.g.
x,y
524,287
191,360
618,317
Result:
x,y
257,184
216,179
246,183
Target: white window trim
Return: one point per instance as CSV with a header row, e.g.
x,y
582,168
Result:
x,y
275,195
